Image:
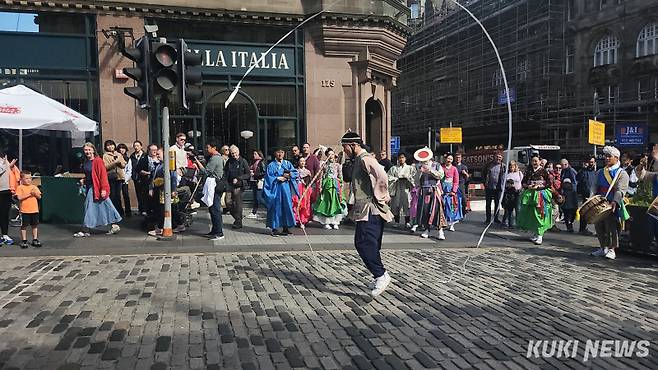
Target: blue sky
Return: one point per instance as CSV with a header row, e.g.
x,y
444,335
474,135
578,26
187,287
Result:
x,y
23,22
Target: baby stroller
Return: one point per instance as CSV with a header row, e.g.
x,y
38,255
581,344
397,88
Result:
x,y
15,219
187,190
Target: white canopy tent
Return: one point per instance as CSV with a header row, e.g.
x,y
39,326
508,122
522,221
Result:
x,y
22,108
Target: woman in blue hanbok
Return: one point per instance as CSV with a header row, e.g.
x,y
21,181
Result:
x,y
280,185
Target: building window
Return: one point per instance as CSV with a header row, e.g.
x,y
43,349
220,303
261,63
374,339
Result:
x,y
571,10
415,11
646,41
497,79
524,69
606,51
602,4
570,60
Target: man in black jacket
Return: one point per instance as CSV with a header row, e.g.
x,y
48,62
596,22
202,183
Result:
x,y
237,175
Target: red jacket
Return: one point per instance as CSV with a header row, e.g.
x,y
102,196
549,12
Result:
x,y
99,179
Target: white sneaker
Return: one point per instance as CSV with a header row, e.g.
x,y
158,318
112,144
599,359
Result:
x,y
611,254
335,226
414,228
327,227
81,234
408,226
452,227
441,236
539,240
381,283
425,234
252,216
114,230
195,205
601,252
155,232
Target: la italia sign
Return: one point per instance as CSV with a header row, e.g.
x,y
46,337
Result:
x,y
236,59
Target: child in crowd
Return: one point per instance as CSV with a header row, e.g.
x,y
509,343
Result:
x,y
28,195
570,203
510,200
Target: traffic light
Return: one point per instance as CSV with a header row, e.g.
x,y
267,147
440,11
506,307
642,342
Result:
x,y
189,70
140,72
164,74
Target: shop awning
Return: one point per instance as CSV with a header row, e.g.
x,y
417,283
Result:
x,y
22,108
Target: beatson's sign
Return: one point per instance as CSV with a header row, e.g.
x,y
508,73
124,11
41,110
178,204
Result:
x,y
236,59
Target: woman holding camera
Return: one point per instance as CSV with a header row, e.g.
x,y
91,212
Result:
x,y
114,165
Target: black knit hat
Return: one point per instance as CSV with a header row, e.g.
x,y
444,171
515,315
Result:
x,y
351,138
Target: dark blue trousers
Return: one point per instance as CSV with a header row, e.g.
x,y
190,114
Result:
x,y
368,242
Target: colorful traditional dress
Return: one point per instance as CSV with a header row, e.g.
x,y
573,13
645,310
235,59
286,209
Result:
x,y
302,208
400,183
330,207
452,204
535,206
429,209
278,194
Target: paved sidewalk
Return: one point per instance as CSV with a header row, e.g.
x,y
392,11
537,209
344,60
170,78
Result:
x,y
299,310
58,239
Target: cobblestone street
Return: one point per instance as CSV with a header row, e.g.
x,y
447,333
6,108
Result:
x,y
283,310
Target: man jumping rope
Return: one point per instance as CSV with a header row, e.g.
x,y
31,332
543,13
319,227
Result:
x,y
370,211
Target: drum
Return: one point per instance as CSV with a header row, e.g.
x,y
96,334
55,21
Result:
x,y
595,209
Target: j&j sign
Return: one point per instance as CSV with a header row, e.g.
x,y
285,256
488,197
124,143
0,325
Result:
x,y
631,134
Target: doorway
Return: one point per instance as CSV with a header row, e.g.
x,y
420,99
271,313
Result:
x,y
374,119
224,125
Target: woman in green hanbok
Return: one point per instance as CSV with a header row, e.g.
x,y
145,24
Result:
x,y
330,207
535,208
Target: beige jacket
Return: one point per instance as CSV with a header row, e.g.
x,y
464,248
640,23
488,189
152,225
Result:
x,y
114,162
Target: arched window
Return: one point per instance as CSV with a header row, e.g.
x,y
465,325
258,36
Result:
x,y
606,51
646,41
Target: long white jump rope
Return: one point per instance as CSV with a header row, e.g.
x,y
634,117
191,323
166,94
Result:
x,y
509,116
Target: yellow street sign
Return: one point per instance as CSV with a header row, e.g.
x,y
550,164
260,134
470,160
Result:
x,y
596,133
452,135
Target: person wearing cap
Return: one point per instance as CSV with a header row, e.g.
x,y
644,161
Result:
x,y
280,185
429,210
369,197
613,181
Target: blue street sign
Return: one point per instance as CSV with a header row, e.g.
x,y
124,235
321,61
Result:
x,y
502,97
632,134
395,144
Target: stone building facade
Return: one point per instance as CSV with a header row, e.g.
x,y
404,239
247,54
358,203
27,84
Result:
x,y
611,49
338,73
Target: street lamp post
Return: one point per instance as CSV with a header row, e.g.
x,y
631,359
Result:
x,y
246,135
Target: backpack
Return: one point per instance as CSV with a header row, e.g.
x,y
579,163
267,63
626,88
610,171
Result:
x,y
348,169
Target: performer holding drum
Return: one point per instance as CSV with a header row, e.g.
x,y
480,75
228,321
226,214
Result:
x,y
611,184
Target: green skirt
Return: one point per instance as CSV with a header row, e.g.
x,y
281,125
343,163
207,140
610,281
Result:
x,y
329,202
535,211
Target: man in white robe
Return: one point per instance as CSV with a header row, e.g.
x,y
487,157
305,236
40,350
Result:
x,y
400,183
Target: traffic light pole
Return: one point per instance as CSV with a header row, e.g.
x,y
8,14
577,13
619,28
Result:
x,y
167,232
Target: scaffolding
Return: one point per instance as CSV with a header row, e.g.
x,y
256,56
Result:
x,y
450,73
